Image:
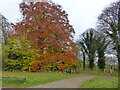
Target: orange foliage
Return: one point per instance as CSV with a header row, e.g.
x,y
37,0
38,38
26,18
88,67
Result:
x,y
47,27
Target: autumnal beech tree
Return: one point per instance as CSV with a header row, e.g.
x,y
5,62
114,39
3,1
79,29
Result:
x,y
47,27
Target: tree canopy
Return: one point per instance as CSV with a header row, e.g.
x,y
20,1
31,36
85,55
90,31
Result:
x,y
47,27
109,23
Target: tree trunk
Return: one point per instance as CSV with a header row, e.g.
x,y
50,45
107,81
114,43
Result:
x,y
101,61
83,61
118,51
118,56
91,62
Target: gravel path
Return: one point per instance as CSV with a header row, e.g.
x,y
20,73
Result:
x,y
67,83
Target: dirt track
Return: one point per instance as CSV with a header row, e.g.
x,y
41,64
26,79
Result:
x,y
67,83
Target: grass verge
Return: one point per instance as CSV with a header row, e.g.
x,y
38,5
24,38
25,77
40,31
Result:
x,y
33,78
99,82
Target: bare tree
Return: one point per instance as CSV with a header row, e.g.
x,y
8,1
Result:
x,y
87,43
109,23
101,44
81,51
5,29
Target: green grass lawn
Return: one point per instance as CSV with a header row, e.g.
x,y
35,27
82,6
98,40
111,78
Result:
x,y
36,78
113,78
100,82
33,78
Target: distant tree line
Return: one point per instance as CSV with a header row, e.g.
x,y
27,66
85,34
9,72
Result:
x,y
97,41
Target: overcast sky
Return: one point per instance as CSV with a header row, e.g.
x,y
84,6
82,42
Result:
x,y
82,13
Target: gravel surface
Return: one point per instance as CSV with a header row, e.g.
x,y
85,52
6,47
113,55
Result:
x,y
67,83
